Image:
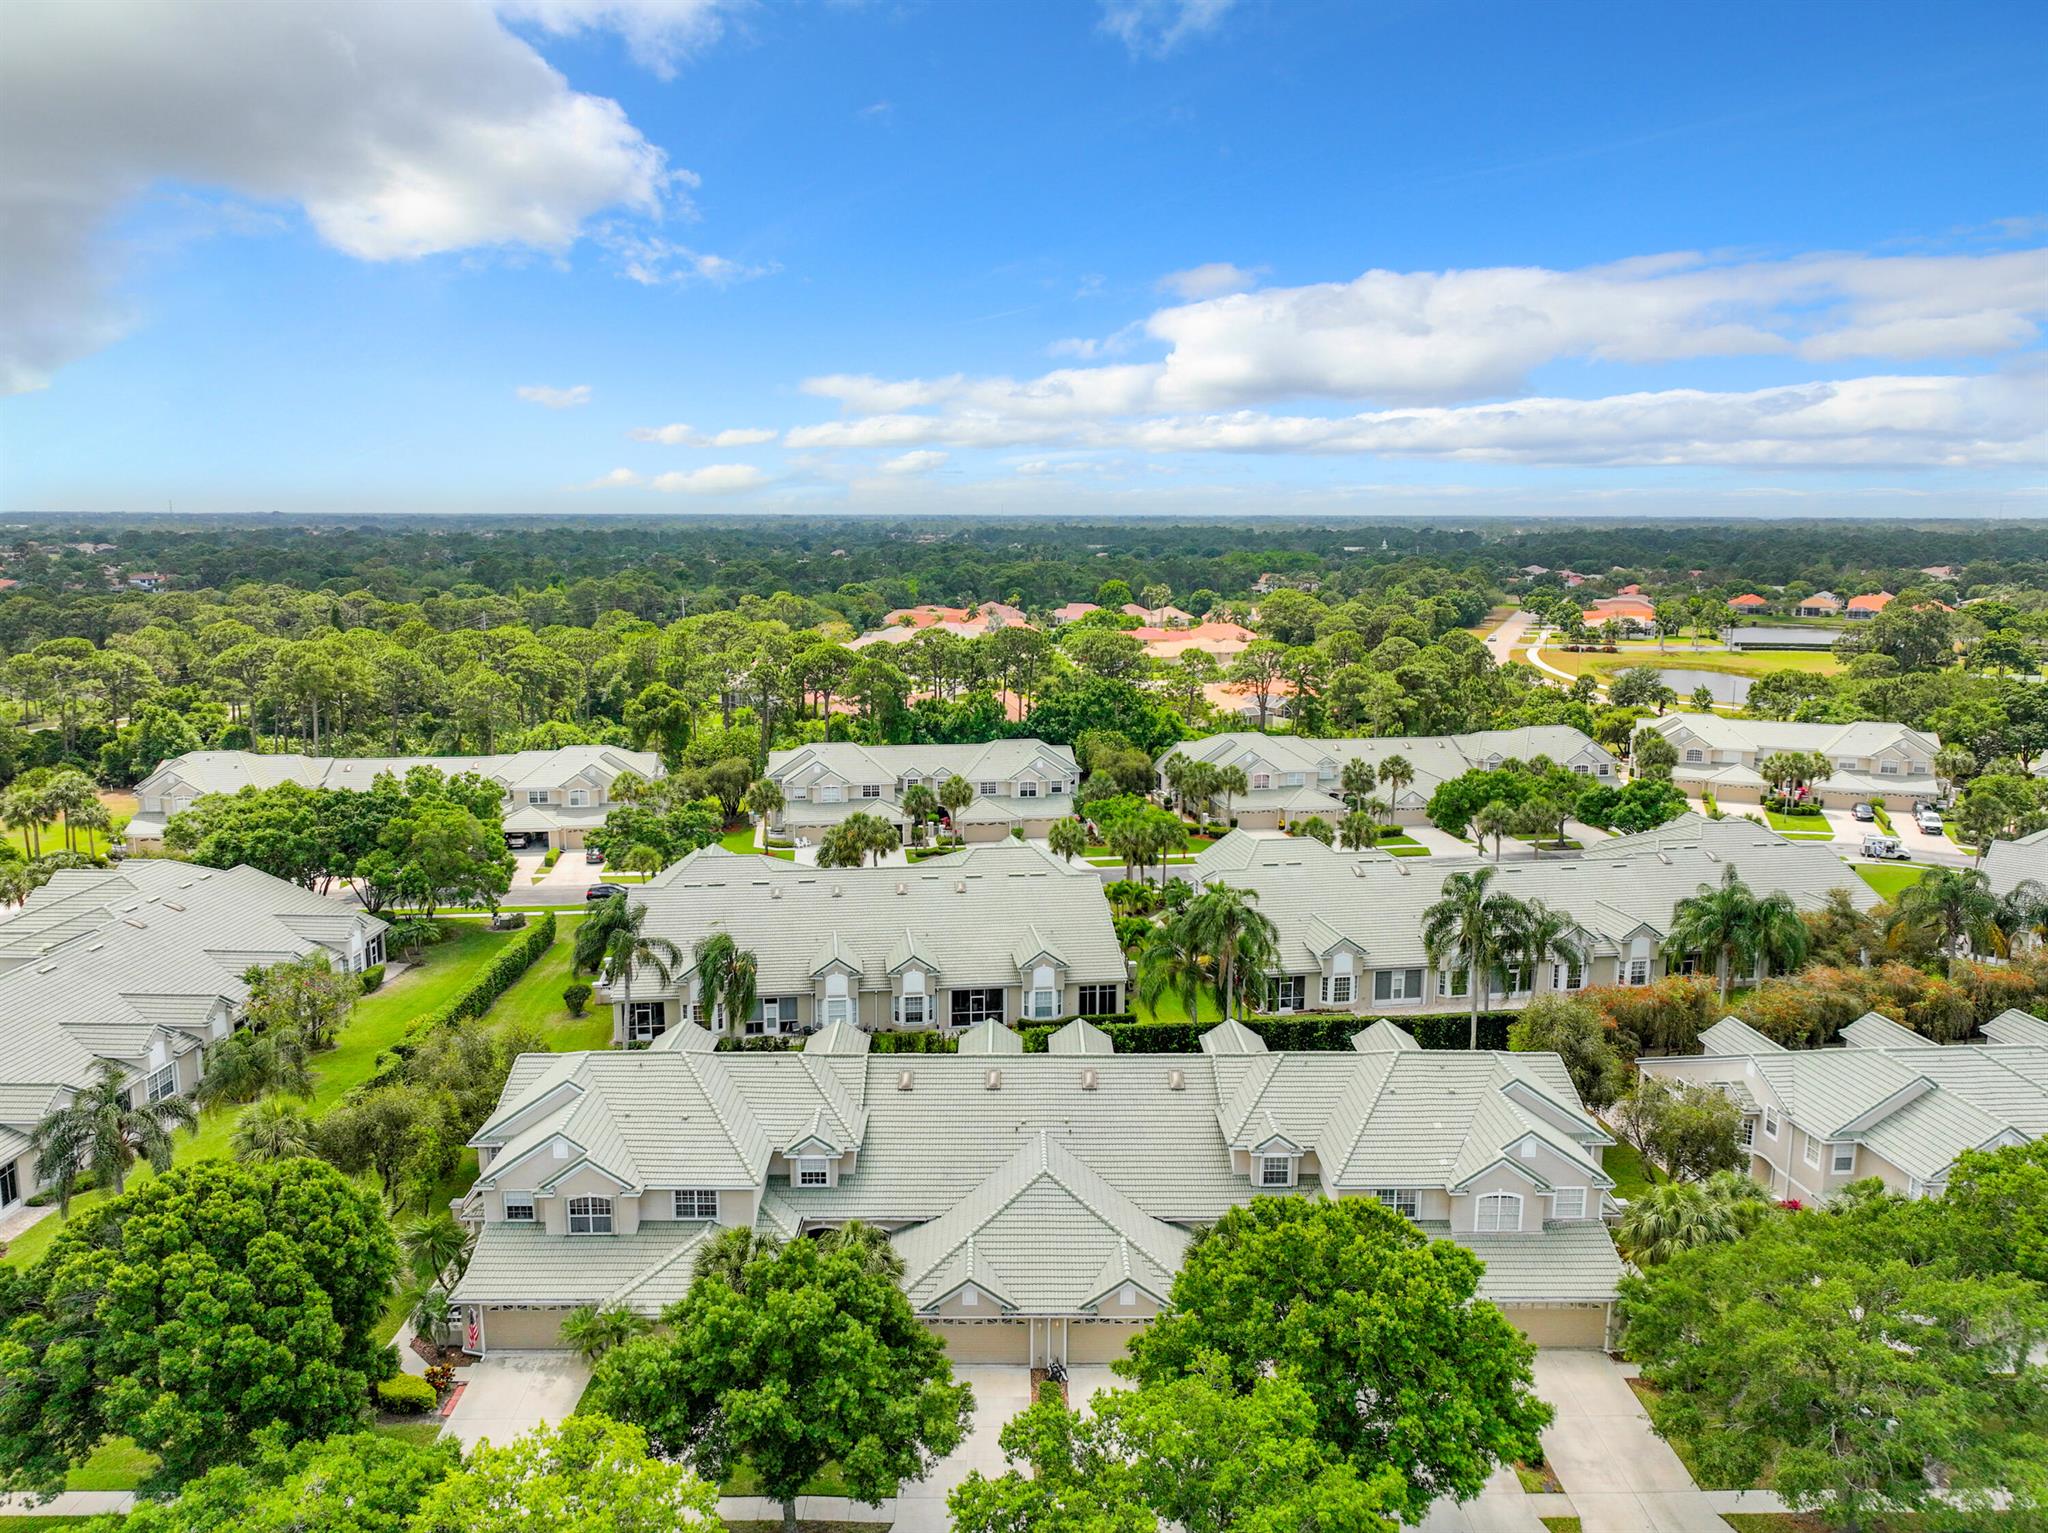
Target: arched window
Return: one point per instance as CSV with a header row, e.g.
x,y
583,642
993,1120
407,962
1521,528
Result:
x,y
1498,1211
590,1216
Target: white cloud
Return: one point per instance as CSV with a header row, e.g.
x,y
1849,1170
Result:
x,y
914,463
679,435
617,479
660,33
401,131
1211,280
712,479
1157,27
555,399
652,260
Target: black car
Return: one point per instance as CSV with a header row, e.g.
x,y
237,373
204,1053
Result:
x,y
603,891
1863,812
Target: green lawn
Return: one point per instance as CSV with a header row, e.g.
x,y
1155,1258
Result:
x,y
1632,1174
1171,1010
536,999
1806,827
380,1019
1562,1524
1888,878
742,841
745,1481
116,1464
418,1430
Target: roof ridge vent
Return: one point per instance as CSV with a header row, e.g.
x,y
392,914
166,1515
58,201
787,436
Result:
x,y
838,891
902,887
775,892
960,887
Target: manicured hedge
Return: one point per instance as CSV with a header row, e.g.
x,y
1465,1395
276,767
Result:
x,y
498,976
373,977
407,1395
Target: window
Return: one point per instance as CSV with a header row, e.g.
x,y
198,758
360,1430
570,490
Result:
x,y
536,795
1027,789
1514,979
870,790
1337,989
1843,1160
838,1008
1290,779
1055,787
972,1006
519,1207
1290,992
643,1021
1099,1000
10,1185
1276,1170
579,798
163,1083
1603,770
1397,985
590,1216
1695,756
990,789
1262,779
812,1171
700,1203
1453,981
1497,1212
1567,976
1771,1122
1636,972
1811,1150
1888,768
772,1013
1040,1004
1569,1203
1402,1200
831,793
913,1010
1748,1132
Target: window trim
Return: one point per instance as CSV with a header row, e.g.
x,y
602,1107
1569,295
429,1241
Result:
x,y
1405,1201
161,1083
512,1202
1770,1121
644,1025
812,1171
1560,1210
1811,1151
695,1209
1284,1164
1838,1153
1097,994
591,1210
1497,1202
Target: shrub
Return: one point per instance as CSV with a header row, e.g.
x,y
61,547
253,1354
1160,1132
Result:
x,y
498,976
441,1376
554,855
407,1395
576,997
373,977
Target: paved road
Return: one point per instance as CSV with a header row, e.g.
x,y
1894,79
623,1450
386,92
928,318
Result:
x,y
1503,639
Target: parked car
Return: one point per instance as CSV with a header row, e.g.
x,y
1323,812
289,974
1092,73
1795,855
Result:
x,y
518,840
603,891
1929,821
1884,848
1863,812
594,855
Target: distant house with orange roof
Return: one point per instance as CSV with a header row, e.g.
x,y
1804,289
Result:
x,y
1821,604
1630,590
1629,611
1749,601
1870,605
1158,617
924,617
1243,700
1225,641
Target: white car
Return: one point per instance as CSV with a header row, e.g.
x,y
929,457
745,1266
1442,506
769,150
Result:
x,y
1928,821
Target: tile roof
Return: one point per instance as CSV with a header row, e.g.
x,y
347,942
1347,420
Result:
x,y
230,771
523,1264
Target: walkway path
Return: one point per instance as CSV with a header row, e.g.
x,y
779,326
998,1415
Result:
x,y
69,1503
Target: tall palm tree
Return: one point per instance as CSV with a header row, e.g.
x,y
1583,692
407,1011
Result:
x,y
922,805
274,1129
20,811
1231,781
1494,819
101,1135
727,1255
2022,913
955,794
1357,779
1730,921
1239,940
627,947
1396,773
1546,935
727,975
1170,963
1068,838
70,793
1956,902
1359,831
763,799
1475,927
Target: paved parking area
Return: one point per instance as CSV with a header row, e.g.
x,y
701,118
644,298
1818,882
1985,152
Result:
x,y
514,1392
1621,1477
999,1394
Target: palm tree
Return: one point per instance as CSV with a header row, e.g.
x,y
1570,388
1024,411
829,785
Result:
x,y
1169,963
1731,921
274,1129
955,794
1359,831
1396,773
728,1254
1239,940
627,947
1956,902
1494,819
1952,763
727,975
434,1245
644,859
1357,779
70,793
593,1331
1231,781
1198,788
922,805
1747,1203
1474,927
1068,838
868,1242
763,799
1674,1217
1545,935
20,811
100,1135
2022,912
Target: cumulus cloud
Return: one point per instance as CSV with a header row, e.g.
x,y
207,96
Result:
x,y
401,131
1157,27
914,463
1211,280
679,435
659,33
555,399
712,479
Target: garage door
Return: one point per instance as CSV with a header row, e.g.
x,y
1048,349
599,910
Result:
x,y
1571,1325
1002,1341
1099,1341
523,1330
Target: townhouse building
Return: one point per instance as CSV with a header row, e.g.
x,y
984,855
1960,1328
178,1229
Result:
x,y
1350,924
1019,785
552,797
1293,777
1005,933
1887,1103
1871,759
142,966
2008,864
1041,1203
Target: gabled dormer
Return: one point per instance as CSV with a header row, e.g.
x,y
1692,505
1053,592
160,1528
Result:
x,y
1042,975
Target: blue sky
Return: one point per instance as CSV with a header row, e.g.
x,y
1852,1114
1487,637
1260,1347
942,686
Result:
x,y
1144,256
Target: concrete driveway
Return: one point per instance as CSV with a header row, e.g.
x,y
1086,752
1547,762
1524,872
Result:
x,y
999,1394
514,1392
1621,1477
